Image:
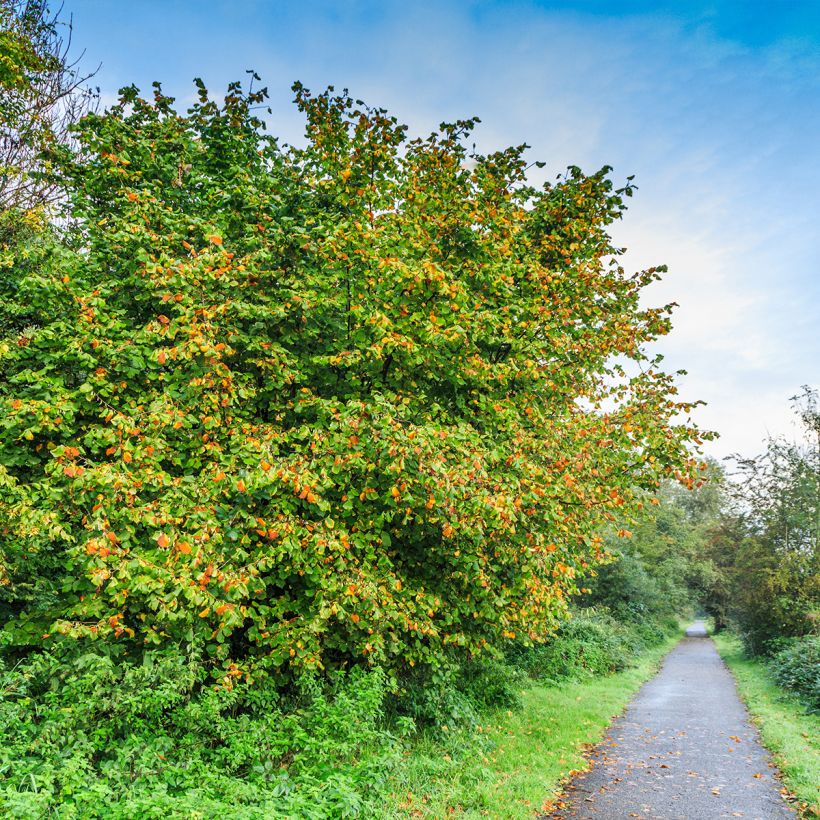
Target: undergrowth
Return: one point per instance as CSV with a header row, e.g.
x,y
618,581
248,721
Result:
x,y
88,735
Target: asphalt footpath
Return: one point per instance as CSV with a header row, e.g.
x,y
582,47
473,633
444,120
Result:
x,y
683,750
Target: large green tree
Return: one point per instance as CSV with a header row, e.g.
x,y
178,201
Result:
x,y
357,400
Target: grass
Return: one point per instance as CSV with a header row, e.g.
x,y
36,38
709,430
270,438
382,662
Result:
x,y
515,763
787,730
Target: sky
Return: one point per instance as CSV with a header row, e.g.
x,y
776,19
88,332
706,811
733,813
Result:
x,y
713,106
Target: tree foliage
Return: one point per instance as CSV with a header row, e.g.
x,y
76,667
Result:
x,y
766,547
359,400
663,569
43,94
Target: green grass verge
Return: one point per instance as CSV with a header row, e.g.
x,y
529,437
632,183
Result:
x,y
790,734
516,761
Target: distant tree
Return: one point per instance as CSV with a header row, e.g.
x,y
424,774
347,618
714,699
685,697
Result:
x,y
662,570
43,94
767,543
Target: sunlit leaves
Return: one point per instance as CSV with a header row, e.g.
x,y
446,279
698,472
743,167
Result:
x,y
358,401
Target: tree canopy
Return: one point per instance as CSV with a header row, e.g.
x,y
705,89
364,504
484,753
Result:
x,y
371,399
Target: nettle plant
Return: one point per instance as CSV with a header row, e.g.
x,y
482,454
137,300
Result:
x,y
366,400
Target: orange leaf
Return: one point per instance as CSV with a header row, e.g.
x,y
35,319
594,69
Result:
x,y
215,238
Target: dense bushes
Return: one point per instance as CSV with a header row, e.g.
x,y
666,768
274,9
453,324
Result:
x,y
590,644
457,695
94,737
103,739
797,667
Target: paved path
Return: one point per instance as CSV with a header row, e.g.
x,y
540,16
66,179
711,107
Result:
x,y
684,750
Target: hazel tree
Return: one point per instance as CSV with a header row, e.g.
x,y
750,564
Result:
x,y
357,401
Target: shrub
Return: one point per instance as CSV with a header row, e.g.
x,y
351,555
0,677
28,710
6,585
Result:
x,y
589,644
797,667
492,684
96,738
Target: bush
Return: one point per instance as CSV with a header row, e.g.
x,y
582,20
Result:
x,y
797,667
589,644
96,737
492,684
457,695
93,736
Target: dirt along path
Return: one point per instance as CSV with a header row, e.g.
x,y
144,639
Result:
x,y
683,750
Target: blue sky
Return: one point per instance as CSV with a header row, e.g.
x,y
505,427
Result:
x,y
714,106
